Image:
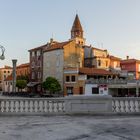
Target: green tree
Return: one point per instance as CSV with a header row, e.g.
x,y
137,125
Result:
x,y
21,84
23,77
52,85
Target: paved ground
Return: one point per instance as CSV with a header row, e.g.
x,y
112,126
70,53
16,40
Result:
x,y
69,128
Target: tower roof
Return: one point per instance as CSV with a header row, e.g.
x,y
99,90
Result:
x,y
76,24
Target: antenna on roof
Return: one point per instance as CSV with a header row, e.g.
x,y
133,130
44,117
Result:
x,y
52,35
102,45
76,11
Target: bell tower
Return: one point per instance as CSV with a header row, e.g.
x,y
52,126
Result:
x,y
77,31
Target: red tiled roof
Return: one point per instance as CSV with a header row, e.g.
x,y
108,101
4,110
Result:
x,y
23,65
37,48
6,67
129,61
56,46
114,57
94,71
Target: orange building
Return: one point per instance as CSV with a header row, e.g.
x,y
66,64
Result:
x,y
23,69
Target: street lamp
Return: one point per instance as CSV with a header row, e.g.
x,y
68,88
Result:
x,y
2,57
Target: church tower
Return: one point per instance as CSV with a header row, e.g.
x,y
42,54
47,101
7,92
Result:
x,y
77,31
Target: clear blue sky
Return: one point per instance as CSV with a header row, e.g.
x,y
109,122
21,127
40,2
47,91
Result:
x,y
26,24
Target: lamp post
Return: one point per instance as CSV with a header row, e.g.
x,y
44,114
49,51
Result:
x,y
2,57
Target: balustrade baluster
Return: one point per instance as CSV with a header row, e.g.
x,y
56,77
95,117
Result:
x,y
52,106
23,106
119,105
134,106
38,106
19,107
14,105
114,105
43,105
63,108
124,106
48,106
129,106
4,106
33,107
57,106
29,104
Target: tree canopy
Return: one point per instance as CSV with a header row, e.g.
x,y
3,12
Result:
x,y
21,84
51,84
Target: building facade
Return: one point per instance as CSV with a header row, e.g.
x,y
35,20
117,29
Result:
x,y
132,66
4,73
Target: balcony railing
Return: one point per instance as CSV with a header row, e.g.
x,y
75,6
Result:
x,y
111,81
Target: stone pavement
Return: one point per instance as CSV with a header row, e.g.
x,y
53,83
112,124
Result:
x,y
70,127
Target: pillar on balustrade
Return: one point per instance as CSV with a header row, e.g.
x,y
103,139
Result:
x,y
14,61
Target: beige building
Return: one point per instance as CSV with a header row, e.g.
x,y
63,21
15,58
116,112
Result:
x,y
4,73
61,55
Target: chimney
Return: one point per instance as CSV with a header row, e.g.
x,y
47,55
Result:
x,y
127,57
51,40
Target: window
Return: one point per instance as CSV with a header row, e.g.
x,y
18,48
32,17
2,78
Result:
x,y
73,78
33,64
95,90
69,90
80,90
33,54
39,75
99,62
38,53
33,75
106,63
67,79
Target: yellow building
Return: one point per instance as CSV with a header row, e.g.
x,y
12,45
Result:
x,y
4,73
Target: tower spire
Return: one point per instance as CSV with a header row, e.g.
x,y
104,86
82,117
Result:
x,y
77,30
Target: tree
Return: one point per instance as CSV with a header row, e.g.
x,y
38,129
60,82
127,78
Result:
x,y
21,84
51,84
23,77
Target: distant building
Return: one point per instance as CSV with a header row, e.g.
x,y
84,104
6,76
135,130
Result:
x,y
60,59
132,66
23,70
4,73
75,79
58,56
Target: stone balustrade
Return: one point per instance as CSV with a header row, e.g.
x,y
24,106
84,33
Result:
x,y
70,105
126,104
31,105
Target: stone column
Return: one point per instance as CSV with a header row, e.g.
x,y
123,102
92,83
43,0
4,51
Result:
x,y
14,75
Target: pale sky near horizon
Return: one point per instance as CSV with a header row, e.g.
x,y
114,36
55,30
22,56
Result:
x,y
108,24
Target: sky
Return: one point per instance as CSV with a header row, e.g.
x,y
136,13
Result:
x,y
108,24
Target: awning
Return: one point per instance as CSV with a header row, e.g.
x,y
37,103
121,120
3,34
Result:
x,y
32,84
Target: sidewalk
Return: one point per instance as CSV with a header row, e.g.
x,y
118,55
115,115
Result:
x,y
70,128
